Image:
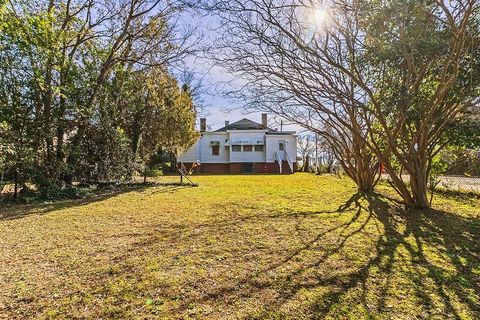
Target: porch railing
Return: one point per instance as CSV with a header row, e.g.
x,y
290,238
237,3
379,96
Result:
x,y
279,160
289,160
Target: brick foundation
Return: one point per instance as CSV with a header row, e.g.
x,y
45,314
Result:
x,y
214,168
266,167
236,168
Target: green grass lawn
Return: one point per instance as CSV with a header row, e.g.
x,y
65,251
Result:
x,y
255,247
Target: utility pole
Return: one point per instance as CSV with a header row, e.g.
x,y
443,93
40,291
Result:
x,y
281,125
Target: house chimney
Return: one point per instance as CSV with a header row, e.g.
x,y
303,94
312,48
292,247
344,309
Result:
x,y
264,120
203,124
227,123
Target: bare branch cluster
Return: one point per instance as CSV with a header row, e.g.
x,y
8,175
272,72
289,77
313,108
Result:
x,y
379,81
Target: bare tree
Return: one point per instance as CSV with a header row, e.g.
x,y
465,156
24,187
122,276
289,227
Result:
x,y
306,148
325,67
326,155
285,73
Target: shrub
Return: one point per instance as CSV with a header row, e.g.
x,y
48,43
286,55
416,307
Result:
x,y
55,192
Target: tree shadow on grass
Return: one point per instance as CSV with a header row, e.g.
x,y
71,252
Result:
x,y
19,211
435,252
376,260
421,264
458,195
251,285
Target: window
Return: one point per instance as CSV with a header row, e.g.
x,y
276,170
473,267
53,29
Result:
x,y
215,150
259,148
281,146
236,148
247,148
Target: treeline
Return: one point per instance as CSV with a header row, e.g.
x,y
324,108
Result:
x,y
85,90
381,81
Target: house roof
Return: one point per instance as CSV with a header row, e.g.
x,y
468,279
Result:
x,y
244,124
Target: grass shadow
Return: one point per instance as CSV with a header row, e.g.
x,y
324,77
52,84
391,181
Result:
x,y
443,276
376,260
434,254
12,211
458,195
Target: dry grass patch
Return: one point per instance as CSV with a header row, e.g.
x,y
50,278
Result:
x,y
254,247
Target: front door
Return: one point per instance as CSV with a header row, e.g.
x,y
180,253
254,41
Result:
x,y
248,167
281,149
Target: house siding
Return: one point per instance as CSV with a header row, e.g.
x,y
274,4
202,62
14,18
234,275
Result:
x,y
229,162
206,148
190,155
272,146
202,150
251,156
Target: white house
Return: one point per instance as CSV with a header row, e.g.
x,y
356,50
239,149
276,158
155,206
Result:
x,y
242,147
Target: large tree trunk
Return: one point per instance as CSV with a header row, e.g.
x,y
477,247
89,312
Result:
x,y
363,171
366,177
49,156
366,165
61,121
415,197
365,180
419,193
15,188
47,100
61,156
419,184
306,165
360,165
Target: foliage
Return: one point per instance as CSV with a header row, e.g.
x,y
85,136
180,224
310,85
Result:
x,y
424,93
460,162
72,75
103,155
56,193
154,172
464,133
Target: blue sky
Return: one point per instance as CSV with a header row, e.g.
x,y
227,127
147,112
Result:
x,y
216,108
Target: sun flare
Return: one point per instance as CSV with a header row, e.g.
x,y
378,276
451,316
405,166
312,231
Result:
x,y
321,16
